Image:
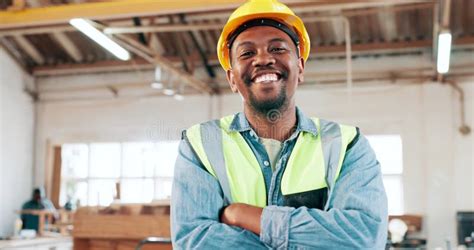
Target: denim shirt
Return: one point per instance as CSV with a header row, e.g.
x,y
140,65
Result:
x,y
354,217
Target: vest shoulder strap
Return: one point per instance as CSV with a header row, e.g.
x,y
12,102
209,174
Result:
x,y
207,141
335,138
194,135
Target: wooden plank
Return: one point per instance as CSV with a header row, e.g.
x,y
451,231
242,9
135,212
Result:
x,y
56,185
95,244
130,245
121,244
120,226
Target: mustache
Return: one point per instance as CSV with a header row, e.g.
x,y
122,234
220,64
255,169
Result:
x,y
247,76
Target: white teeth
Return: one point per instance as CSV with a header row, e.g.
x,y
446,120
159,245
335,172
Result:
x,y
266,78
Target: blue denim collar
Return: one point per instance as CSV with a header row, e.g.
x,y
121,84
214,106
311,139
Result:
x,y
305,124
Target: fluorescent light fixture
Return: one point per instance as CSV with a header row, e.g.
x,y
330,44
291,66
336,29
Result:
x,y
156,85
86,27
444,52
168,91
178,97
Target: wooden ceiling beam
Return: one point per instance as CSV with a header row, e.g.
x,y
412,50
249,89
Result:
x,y
155,44
387,24
114,9
309,6
17,5
163,28
446,14
37,30
337,27
26,46
15,54
44,29
68,46
61,14
154,41
148,54
435,31
96,67
378,48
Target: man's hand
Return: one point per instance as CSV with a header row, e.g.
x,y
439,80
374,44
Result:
x,y
243,215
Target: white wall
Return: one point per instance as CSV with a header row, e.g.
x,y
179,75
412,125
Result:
x,y
438,161
16,141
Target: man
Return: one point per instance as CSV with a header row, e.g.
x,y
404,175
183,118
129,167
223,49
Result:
x,y
37,202
270,177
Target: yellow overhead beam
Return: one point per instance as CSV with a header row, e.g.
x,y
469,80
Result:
x,y
106,10
61,14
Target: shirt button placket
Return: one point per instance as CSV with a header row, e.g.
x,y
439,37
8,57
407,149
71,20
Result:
x,y
280,163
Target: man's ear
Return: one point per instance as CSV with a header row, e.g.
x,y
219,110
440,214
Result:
x,y
230,79
301,70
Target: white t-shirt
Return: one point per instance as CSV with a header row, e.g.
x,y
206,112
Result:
x,y
273,148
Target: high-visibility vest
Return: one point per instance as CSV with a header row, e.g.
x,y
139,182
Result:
x,y
314,163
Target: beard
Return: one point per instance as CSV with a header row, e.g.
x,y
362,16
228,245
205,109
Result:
x,y
265,107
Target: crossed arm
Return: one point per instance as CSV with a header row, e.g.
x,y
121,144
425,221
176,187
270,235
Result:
x,y
244,216
196,203
356,218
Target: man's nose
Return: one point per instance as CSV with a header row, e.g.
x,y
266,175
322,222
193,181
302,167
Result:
x,y
263,58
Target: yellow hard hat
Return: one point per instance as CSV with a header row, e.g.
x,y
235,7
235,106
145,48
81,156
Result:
x,y
268,9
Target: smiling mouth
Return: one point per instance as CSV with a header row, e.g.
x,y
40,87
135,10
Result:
x,y
267,78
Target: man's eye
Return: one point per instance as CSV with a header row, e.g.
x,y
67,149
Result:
x,y
246,54
278,49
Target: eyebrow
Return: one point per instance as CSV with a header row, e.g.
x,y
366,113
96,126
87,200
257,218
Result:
x,y
277,39
244,43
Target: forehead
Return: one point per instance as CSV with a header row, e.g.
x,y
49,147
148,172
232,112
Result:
x,y
260,34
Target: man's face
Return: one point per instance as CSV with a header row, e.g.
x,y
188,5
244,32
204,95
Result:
x,y
265,69
37,196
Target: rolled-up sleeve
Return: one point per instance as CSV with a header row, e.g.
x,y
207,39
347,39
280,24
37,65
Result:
x,y
195,205
356,217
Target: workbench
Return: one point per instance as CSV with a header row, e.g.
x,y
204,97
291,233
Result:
x,y
123,229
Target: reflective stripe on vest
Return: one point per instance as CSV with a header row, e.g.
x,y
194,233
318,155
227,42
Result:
x,y
314,163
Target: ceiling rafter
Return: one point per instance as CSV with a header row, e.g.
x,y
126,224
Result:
x,y
68,45
29,49
150,56
357,49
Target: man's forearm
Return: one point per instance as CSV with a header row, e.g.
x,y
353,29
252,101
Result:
x,y
244,216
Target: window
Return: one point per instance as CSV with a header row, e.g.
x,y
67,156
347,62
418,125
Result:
x,y
90,172
388,149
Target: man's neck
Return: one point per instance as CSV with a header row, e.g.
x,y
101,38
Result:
x,y
277,124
